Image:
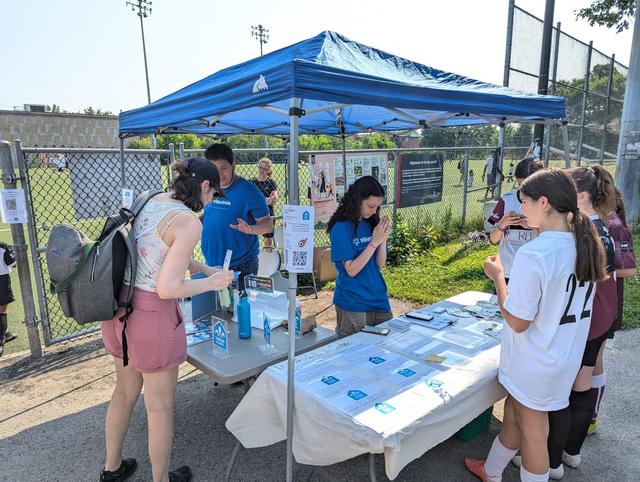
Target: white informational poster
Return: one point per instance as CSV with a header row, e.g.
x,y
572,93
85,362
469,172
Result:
x,y
298,238
358,165
13,206
322,184
127,198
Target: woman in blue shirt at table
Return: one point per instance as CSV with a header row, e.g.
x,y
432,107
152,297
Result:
x,y
359,250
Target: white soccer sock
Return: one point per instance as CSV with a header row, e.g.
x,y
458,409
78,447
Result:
x,y
598,381
526,476
498,458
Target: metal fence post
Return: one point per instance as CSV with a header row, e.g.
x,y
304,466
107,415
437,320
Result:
x,y
181,152
465,186
24,274
585,92
33,242
172,159
396,183
123,177
606,109
554,75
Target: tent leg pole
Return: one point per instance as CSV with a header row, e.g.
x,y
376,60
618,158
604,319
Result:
x,y
372,467
293,286
232,462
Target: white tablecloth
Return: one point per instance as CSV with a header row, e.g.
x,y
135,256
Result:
x,y
324,435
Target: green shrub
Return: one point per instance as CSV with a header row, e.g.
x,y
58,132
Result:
x,y
402,242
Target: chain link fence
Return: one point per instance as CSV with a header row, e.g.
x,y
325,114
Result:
x,y
82,187
592,83
79,187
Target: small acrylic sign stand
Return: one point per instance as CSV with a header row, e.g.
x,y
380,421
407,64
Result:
x,y
267,348
220,338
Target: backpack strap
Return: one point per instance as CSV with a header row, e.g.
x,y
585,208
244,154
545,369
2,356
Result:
x,y
87,249
124,229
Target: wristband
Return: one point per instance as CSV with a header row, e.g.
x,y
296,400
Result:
x,y
373,246
500,229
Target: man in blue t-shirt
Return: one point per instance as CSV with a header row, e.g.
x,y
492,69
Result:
x,y
236,220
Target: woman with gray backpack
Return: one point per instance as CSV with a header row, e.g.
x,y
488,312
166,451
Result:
x,y
166,231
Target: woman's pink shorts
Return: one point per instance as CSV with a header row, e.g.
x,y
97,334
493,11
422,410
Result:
x,y
156,340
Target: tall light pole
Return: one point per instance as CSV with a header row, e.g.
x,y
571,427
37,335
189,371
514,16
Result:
x,y
261,34
144,10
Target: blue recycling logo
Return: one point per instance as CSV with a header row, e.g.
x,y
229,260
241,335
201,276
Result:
x,y
220,335
356,394
376,360
406,372
330,380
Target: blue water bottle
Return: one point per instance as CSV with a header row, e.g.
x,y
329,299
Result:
x,y
244,317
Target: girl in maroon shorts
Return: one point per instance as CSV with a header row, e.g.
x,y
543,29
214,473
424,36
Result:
x,y
166,231
626,267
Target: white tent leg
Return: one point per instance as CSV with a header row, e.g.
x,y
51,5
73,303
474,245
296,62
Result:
x,y
294,121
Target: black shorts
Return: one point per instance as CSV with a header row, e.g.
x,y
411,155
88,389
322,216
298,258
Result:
x,y
593,347
6,295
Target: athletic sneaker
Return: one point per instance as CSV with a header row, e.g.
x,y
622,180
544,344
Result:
x,y
181,474
9,336
476,467
572,461
554,474
126,470
593,428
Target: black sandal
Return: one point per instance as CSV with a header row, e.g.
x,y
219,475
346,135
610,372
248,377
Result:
x,y
126,470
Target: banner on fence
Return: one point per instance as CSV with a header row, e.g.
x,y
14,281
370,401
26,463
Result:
x,y
327,179
419,179
322,185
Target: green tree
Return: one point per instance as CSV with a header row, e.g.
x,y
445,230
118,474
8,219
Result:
x,y
609,13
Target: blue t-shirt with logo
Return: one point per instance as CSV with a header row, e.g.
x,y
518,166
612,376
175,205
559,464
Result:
x,y
367,290
243,200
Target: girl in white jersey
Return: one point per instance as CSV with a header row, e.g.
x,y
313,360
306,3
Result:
x,y
547,312
510,227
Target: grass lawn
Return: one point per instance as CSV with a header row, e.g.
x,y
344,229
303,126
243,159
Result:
x,y
450,269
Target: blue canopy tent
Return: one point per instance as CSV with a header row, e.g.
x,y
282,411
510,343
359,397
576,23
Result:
x,y
335,78
329,84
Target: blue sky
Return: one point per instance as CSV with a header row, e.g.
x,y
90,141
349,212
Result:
x,y
79,53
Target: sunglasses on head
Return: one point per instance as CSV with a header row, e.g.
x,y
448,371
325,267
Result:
x,y
216,194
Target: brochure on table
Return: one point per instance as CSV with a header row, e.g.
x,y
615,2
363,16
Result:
x,y
378,381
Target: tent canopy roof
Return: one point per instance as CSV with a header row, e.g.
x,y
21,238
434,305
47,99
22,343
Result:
x,y
345,87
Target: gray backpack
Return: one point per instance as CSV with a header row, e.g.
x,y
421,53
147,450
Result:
x,y
87,275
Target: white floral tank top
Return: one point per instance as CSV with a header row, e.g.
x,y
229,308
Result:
x,y
151,248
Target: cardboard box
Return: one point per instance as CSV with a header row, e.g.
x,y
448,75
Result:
x,y
323,267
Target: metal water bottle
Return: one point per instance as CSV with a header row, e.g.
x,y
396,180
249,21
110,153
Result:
x,y
244,317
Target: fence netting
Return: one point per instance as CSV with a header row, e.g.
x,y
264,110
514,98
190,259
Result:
x,y
592,83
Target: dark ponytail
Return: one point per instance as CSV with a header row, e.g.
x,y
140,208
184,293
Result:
x,y
560,190
186,188
598,183
620,207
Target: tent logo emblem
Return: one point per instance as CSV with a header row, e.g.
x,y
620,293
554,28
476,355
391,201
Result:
x,y
260,84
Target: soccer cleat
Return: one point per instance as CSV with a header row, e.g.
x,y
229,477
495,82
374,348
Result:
x,y
593,428
126,470
554,474
572,461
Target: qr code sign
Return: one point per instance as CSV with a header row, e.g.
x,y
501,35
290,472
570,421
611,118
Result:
x,y
299,258
11,204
